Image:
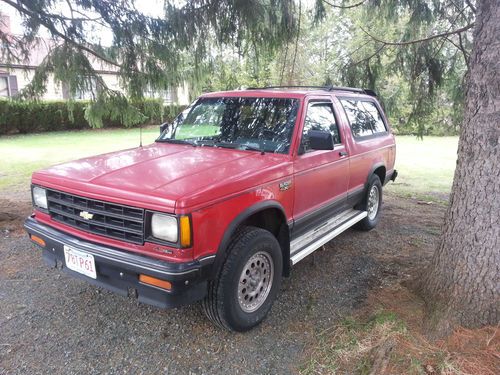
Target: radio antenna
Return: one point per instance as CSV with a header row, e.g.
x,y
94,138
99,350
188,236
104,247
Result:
x,y
140,135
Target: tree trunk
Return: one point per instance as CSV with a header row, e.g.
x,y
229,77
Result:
x,y
461,286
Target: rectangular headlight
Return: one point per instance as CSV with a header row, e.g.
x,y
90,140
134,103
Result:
x,y
164,227
40,197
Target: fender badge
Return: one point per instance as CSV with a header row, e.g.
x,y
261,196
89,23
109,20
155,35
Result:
x,y
163,250
86,215
285,185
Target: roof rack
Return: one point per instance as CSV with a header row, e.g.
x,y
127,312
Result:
x,y
325,88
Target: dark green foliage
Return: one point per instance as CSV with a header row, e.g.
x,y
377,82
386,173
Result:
x,y
42,116
388,49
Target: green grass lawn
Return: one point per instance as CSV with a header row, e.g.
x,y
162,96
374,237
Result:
x,y
20,155
425,167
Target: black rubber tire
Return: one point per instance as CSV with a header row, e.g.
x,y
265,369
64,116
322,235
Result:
x,y
221,304
368,224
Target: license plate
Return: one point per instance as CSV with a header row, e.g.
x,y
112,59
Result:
x,y
80,262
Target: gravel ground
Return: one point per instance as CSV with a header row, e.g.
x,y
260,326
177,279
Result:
x,y
51,323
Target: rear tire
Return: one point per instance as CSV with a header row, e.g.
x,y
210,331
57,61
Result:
x,y
244,290
372,204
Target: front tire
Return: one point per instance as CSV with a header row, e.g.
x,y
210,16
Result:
x,y
247,285
372,204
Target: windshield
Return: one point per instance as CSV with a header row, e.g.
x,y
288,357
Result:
x,y
261,124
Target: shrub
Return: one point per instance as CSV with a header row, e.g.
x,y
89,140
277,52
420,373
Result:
x,y
44,116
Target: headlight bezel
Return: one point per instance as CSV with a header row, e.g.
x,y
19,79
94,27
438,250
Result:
x,y
148,229
34,202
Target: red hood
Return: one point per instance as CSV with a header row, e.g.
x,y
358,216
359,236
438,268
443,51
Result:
x,y
165,175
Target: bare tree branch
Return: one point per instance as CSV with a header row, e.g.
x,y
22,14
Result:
x,y
415,41
372,55
447,38
344,6
462,48
284,65
471,6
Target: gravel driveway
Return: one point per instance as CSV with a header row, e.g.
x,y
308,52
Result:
x,y
51,323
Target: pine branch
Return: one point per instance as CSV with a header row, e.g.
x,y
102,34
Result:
x,y
371,56
344,6
56,32
332,67
415,41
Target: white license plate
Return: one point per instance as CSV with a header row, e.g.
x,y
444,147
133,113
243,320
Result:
x,y
80,262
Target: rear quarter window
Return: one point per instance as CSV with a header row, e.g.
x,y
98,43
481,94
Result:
x,y
364,118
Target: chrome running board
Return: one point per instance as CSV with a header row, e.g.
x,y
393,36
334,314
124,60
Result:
x,y
317,237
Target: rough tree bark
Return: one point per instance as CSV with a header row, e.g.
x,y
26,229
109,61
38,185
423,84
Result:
x,y
462,285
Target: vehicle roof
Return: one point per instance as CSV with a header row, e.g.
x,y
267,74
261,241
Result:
x,y
292,92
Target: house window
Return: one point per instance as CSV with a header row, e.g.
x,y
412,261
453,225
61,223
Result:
x,y
167,95
4,86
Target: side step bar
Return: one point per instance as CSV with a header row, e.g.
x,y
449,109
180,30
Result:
x,y
325,232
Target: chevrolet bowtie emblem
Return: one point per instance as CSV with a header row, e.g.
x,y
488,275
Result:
x,y
86,215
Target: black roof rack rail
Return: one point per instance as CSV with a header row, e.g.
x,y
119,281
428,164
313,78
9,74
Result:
x,y
326,88
370,92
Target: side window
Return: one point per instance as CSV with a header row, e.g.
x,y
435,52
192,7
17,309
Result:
x,y
377,122
320,116
364,117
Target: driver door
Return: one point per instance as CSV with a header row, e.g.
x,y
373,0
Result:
x,y
321,176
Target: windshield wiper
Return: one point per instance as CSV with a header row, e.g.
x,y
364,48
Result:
x,y
239,146
227,145
177,141
252,148
206,143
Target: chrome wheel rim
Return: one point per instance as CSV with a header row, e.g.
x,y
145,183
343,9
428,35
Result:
x,y
255,281
373,202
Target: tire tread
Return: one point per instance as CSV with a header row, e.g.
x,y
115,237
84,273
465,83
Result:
x,y
213,303
366,224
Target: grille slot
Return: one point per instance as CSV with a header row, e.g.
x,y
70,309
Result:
x,y
109,219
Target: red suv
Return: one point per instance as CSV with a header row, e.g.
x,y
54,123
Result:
x,y
237,190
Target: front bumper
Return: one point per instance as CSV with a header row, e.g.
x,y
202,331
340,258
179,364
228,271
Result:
x,y
118,270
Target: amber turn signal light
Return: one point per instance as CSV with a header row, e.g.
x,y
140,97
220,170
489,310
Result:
x,y
150,280
37,240
185,231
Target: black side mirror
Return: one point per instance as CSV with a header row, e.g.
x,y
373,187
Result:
x,y
320,140
164,126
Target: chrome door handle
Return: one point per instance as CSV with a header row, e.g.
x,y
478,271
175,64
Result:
x,y
342,153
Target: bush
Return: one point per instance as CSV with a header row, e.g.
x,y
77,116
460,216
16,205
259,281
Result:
x,y
44,116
